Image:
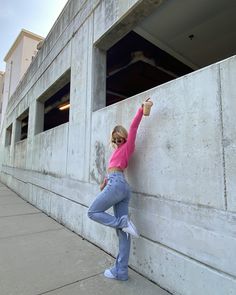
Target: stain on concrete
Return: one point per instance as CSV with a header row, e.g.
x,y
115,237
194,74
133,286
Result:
x,y
99,171
110,13
169,146
135,15
51,174
226,142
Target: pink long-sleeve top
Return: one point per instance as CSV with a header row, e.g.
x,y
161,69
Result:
x,y
120,156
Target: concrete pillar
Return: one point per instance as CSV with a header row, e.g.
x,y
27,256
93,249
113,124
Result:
x,y
99,79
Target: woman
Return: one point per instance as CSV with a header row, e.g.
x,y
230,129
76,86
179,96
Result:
x,y
116,193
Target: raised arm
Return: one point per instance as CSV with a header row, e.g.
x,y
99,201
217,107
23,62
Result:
x,y
130,144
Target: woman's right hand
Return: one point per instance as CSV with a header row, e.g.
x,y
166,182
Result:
x,y
103,184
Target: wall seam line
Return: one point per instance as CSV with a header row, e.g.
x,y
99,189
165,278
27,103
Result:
x,y
43,188
222,139
158,197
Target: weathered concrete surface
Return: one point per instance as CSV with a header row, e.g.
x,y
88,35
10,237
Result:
x,y
179,146
228,90
38,256
46,146
114,19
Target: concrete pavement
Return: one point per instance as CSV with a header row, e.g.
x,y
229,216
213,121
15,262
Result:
x,y
40,256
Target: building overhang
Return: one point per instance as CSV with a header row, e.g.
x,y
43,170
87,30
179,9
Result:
x,y
198,33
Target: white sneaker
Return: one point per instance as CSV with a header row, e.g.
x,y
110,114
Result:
x,y
131,229
108,274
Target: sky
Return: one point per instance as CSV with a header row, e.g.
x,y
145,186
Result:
x,y
37,16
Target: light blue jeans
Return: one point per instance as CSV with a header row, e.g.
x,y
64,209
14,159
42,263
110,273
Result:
x,y
117,194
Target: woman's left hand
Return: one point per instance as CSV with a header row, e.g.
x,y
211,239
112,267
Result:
x,y
145,101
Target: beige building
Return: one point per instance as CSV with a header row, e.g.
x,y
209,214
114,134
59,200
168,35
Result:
x,y
18,59
1,91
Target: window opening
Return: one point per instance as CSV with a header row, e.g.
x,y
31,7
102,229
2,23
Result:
x,y
56,108
8,136
53,106
135,65
22,126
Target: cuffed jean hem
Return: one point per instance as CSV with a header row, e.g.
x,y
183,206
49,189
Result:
x,y
119,276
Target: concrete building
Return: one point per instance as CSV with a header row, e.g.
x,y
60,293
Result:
x,y
18,59
1,90
99,62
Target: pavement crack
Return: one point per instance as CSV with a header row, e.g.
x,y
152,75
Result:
x,y
69,284
13,215
30,234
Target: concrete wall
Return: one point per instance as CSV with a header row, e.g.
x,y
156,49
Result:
x,y
183,170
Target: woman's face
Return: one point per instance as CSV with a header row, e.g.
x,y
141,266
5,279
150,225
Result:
x,y
118,140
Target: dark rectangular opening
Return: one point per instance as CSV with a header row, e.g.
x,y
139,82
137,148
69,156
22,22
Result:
x,y
22,126
135,65
53,106
8,137
57,108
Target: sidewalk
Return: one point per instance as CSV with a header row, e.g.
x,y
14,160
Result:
x,y
40,256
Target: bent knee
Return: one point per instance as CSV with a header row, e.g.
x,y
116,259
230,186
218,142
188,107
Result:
x,y
90,213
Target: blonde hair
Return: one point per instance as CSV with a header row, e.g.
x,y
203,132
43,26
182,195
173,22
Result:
x,y
118,131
